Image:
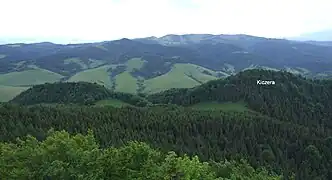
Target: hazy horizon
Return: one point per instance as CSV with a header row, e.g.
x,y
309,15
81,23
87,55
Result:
x,y
101,20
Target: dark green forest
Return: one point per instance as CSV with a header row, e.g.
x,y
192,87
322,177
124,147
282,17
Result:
x,y
293,98
287,132
82,93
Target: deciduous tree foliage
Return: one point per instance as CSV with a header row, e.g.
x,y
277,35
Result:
x,y
62,156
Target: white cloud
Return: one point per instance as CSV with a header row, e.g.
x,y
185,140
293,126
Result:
x,y
110,19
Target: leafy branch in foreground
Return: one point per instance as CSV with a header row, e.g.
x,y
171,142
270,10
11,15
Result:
x,y
62,156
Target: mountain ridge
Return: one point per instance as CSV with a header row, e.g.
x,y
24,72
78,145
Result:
x,y
171,57
325,35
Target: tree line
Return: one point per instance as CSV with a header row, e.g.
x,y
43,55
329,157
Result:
x,y
82,93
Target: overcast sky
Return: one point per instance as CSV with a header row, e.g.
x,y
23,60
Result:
x,y
97,20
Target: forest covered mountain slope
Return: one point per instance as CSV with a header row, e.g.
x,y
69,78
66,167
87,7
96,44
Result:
x,y
286,128
82,93
291,98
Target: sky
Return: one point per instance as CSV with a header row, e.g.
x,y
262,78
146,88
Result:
x,y
65,21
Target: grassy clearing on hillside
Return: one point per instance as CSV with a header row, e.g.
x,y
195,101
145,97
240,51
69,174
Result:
x,y
298,70
252,66
135,63
101,47
93,63
126,83
269,68
98,75
21,63
222,74
178,78
229,68
7,93
29,77
112,102
303,70
227,106
196,72
77,61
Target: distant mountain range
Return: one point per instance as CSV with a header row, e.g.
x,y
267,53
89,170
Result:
x,y
316,36
12,40
148,65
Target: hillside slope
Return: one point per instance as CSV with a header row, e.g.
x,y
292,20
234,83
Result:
x,y
291,98
284,147
150,65
284,126
7,93
73,93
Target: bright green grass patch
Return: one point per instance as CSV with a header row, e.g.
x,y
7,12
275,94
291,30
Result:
x,y
269,68
135,63
229,68
221,73
196,72
303,70
227,106
7,93
125,82
112,102
98,75
297,70
77,61
252,66
21,63
93,63
29,77
2,56
179,77
101,47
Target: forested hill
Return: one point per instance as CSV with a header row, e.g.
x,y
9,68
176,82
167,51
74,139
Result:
x,y
211,135
291,98
75,93
295,140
